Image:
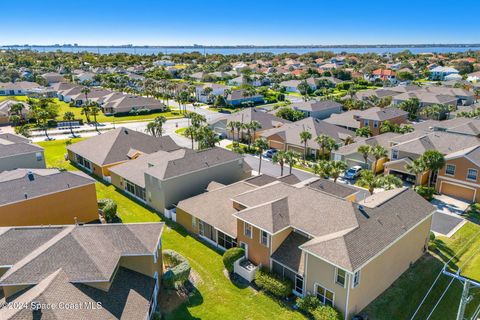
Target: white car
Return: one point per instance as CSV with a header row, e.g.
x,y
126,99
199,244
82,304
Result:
x,y
352,173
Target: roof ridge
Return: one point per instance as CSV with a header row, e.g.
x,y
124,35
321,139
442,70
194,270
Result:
x,y
37,252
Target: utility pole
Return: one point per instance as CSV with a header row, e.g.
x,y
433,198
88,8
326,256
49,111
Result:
x,y
466,297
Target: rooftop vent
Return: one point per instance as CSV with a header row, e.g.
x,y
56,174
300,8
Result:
x,y
126,131
30,176
362,210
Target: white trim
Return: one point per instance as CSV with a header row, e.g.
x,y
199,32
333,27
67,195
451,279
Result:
x,y
260,239
344,278
476,174
353,279
474,185
454,170
460,186
348,297
245,224
315,289
305,273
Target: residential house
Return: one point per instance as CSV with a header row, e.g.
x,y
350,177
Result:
x,y
19,88
287,137
439,73
98,154
346,254
385,75
128,103
17,152
53,77
162,179
247,115
5,113
372,118
459,177
240,97
216,90
474,77
292,85
98,271
46,197
412,146
319,109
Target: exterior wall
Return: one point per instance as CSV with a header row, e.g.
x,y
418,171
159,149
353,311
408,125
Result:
x,y
274,141
11,290
376,131
323,273
323,114
143,264
381,272
257,252
461,186
278,238
185,219
28,160
164,194
57,208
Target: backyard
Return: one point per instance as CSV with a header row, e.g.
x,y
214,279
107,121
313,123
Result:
x,y
64,107
217,297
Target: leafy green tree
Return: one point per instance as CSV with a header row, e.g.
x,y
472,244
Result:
x,y
411,106
322,168
433,161
207,138
304,88
290,114
23,130
363,132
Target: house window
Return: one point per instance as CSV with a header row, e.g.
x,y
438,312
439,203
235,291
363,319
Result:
x,y
356,279
325,296
472,174
450,170
375,124
340,277
298,284
194,222
394,154
225,241
366,123
264,238
39,156
247,230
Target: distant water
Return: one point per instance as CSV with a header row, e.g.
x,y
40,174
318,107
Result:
x,y
228,51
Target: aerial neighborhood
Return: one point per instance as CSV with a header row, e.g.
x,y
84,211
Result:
x,y
320,185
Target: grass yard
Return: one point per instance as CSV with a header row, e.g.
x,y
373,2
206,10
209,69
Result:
x,y
217,297
64,107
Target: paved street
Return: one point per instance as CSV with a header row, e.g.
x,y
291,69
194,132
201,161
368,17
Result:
x,y
274,169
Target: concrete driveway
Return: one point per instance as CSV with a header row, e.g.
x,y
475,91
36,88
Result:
x,y
449,205
446,224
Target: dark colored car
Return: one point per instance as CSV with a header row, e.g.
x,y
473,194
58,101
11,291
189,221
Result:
x,y
269,153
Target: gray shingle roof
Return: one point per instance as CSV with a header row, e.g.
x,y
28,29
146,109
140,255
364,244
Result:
x,y
382,114
290,254
11,144
335,189
247,115
85,253
114,145
18,185
316,105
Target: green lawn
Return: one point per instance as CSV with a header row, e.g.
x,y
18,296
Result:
x,y
404,296
217,297
64,107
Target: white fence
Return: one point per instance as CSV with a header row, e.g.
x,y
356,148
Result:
x,y
171,214
247,274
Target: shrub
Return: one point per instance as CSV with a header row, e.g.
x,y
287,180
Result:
x,y
109,209
326,313
179,271
307,304
230,256
426,192
272,284
432,236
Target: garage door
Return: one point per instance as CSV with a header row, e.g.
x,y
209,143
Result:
x,y
456,191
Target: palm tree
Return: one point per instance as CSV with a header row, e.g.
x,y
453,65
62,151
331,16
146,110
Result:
x,y
290,159
260,144
86,91
365,150
43,118
69,116
337,167
23,130
369,180
326,143
94,111
207,138
191,132
279,158
363,132
239,127
254,126
322,168
378,152
389,182
304,137
416,167
86,112
349,140
433,161
231,126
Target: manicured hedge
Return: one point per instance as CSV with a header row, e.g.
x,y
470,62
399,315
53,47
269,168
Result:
x,y
426,192
326,313
272,284
109,209
230,256
179,271
307,304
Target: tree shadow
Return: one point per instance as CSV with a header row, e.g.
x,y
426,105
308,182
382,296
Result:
x,y
175,303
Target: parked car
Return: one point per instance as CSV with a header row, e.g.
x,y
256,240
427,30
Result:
x,y
269,153
353,172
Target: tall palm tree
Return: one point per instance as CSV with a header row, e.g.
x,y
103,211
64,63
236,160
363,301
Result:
x,y
95,111
290,159
389,182
378,152
69,116
85,91
239,127
43,118
322,168
363,132
86,111
337,167
231,125
279,158
369,180
191,132
326,143
365,150
260,144
433,161
416,167
255,126
304,137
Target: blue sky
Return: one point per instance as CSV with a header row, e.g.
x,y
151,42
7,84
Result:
x,y
261,22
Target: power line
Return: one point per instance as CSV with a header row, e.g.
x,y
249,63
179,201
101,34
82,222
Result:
x,y
441,297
